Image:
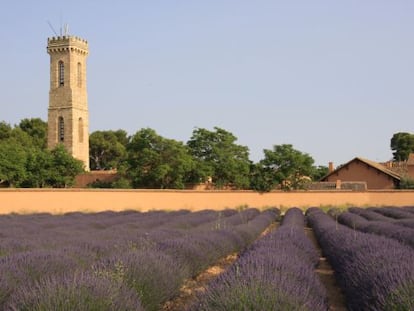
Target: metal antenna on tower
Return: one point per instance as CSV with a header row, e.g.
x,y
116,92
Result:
x,y
53,29
61,23
66,30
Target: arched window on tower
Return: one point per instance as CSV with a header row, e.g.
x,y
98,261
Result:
x,y
80,130
61,79
61,130
79,75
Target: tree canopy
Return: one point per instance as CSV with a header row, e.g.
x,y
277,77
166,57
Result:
x,y
36,128
107,149
25,161
218,156
282,166
157,162
12,162
63,168
402,144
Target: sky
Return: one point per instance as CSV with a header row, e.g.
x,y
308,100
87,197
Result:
x,y
332,78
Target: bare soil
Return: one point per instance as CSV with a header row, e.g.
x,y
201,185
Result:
x,y
336,299
192,287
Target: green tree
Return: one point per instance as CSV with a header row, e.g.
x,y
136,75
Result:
x,y
406,183
17,148
260,179
402,144
157,162
64,168
36,128
12,162
122,137
15,134
5,130
107,149
38,168
282,166
25,161
219,157
319,172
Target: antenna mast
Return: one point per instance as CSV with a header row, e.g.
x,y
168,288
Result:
x,y
66,30
53,29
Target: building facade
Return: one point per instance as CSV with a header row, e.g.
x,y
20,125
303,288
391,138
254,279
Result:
x,y
375,175
68,116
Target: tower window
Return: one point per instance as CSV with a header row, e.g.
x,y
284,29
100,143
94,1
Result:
x,y
61,74
61,130
80,130
79,75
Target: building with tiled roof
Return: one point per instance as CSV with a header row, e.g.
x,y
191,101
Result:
x,y
376,175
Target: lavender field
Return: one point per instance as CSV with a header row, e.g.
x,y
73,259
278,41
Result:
x,y
139,261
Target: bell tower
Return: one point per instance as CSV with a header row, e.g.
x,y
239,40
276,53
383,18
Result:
x,y
68,117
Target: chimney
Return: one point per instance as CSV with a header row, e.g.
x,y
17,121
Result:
x,y
331,167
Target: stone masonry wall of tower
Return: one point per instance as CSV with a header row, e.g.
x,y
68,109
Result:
x,y
68,116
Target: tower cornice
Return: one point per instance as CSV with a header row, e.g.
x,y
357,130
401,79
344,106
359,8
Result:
x,y
67,44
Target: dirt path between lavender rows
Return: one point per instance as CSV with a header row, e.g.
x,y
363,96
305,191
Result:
x,y
192,287
336,299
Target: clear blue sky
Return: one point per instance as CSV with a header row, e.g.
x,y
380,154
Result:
x,y
332,78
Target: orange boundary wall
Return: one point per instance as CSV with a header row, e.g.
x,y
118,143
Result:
x,y
58,201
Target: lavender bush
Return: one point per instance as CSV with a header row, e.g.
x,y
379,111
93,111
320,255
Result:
x,y
409,208
275,273
394,212
369,214
187,254
384,228
409,223
30,267
372,215
141,259
153,275
75,292
375,273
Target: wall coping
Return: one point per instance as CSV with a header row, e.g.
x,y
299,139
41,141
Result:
x,y
199,191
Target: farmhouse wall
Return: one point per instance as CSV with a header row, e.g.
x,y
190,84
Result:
x,y
58,201
360,171
410,171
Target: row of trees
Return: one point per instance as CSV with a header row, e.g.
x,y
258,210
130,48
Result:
x,y
148,160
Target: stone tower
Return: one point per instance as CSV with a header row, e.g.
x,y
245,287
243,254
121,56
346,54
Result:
x,y
68,120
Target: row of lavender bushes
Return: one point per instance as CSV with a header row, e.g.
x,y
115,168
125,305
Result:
x,y
409,209
275,273
114,261
375,272
395,212
402,216
384,226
